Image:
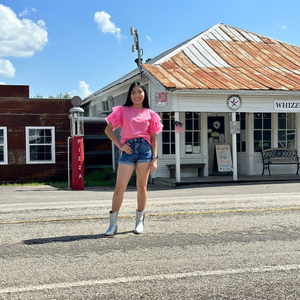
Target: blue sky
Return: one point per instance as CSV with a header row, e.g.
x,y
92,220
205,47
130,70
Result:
x,y
78,47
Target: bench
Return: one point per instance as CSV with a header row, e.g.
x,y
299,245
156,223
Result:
x,y
279,156
200,168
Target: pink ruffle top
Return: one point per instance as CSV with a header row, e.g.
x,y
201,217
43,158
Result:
x,y
135,122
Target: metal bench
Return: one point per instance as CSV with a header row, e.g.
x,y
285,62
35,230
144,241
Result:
x,y
200,168
279,156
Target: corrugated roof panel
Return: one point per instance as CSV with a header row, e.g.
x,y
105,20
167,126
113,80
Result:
x,y
235,33
277,77
203,57
216,59
246,35
193,76
209,36
157,72
173,76
261,78
210,81
255,38
223,35
244,78
275,56
179,74
218,36
242,54
235,61
286,53
293,49
231,58
194,58
224,78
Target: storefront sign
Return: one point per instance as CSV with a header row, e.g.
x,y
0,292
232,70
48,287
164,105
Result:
x,y
161,98
77,180
224,158
235,127
234,102
287,105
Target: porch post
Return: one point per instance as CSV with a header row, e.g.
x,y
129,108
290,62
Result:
x,y
234,151
177,149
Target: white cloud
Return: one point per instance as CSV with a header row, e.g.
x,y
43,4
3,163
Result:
x,y
24,12
283,27
82,91
148,38
20,38
6,68
106,26
2,82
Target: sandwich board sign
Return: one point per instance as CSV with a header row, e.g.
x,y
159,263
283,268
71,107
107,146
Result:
x,y
224,161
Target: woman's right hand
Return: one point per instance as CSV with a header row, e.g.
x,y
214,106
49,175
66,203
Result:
x,y
126,148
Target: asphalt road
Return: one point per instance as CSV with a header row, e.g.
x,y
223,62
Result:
x,y
209,242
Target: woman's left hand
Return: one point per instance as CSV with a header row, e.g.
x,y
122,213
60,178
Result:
x,y
153,166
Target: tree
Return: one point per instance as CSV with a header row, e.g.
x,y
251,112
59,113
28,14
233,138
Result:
x,y
58,96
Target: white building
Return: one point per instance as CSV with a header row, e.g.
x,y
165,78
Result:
x,y
219,76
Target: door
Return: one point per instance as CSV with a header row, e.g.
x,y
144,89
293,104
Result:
x,y
216,131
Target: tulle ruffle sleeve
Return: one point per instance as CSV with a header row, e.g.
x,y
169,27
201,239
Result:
x,y
115,117
155,125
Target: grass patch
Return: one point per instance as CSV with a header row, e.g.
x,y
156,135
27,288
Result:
x,y
95,178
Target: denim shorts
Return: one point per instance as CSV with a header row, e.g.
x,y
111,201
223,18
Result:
x,y
141,152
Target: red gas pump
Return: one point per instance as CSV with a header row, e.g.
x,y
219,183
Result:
x,y
77,133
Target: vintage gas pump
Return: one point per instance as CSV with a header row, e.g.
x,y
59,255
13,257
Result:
x,y
77,134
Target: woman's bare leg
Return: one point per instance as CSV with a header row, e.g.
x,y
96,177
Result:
x,y
123,176
142,174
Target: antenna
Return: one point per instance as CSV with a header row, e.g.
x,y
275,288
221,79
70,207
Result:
x,y
136,46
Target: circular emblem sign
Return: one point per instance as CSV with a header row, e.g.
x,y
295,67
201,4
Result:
x,y
234,102
217,125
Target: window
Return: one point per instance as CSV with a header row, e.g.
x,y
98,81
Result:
x,y
286,131
241,137
168,134
3,146
262,131
192,133
40,145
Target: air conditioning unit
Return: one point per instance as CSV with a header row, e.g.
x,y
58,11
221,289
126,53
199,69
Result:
x,y
105,106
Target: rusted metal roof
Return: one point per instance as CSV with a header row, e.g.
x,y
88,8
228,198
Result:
x,y
228,58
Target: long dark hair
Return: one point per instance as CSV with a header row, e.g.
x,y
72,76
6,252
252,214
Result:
x,y
146,99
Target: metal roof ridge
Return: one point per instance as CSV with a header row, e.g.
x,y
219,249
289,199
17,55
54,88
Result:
x,y
259,35
173,51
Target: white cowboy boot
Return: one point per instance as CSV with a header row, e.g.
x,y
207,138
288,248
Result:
x,y
113,226
139,224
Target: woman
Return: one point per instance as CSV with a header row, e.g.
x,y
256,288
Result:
x,y
138,149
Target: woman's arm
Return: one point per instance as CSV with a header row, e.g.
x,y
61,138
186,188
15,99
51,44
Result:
x,y
153,165
110,133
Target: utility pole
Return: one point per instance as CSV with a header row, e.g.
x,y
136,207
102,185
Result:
x,y
136,46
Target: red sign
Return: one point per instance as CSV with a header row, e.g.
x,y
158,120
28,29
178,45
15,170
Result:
x,y
77,180
162,97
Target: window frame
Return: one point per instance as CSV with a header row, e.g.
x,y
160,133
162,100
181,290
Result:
x,y
192,132
263,131
5,146
170,132
241,117
286,129
53,160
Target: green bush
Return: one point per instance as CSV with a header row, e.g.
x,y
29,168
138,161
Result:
x,y
98,178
